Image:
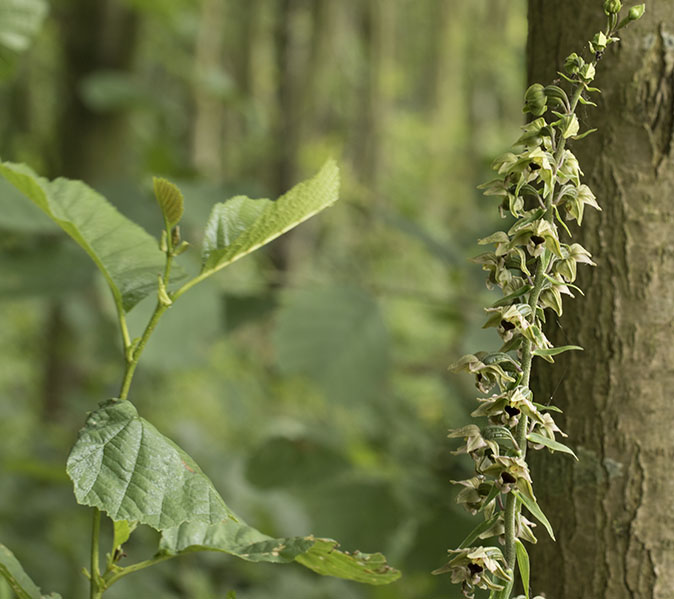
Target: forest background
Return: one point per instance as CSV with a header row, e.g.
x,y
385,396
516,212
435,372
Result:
x,y
310,381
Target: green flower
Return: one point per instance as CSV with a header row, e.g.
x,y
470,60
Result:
x,y
474,493
573,64
476,567
510,472
487,369
474,440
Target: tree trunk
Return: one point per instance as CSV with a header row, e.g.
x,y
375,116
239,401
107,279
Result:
x,y
208,132
96,36
612,510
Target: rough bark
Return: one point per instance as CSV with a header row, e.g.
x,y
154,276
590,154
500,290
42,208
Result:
x,y
612,511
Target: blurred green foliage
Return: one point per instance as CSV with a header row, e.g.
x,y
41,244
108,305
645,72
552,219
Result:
x,y
309,381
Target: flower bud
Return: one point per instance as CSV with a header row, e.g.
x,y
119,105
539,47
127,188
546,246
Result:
x,y
535,100
612,7
636,12
573,64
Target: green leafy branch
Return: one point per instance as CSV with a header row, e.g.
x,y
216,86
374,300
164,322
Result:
x,y
539,185
123,466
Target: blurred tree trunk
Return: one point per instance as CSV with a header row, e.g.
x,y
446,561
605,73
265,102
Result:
x,y
612,510
207,138
377,24
98,35
95,35
286,132
450,102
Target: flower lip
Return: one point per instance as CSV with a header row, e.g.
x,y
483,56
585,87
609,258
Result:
x,y
508,478
507,325
511,411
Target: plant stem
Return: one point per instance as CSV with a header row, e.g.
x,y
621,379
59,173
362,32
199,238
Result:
x,y
95,590
512,506
132,355
110,578
132,359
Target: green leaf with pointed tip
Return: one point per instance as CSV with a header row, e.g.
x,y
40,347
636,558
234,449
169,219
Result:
x,y
128,256
245,542
20,20
535,510
551,408
232,537
585,134
508,299
239,226
553,351
554,445
124,466
170,200
369,568
478,530
490,497
18,580
523,565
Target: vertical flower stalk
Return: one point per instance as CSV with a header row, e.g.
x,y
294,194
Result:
x,y
539,188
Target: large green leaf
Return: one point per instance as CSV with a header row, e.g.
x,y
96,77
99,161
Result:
x,y
124,466
234,538
239,539
18,580
336,337
128,256
19,216
240,225
20,20
369,568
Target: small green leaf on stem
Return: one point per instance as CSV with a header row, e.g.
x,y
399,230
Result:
x,y
170,200
478,530
532,505
523,565
553,351
550,444
585,133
